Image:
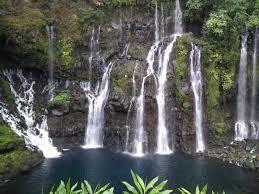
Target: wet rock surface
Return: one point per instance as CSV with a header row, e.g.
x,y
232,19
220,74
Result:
x,y
244,154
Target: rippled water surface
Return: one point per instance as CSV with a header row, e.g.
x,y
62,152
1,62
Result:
x,y
102,166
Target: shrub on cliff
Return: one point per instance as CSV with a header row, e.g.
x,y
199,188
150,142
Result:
x,y
61,101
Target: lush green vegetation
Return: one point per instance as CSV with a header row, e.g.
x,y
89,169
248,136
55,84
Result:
x,y
60,101
8,139
14,156
86,188
6,91
181,55
220,22
139,187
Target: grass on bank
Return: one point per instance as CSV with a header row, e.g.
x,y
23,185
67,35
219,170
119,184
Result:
x,y
139,187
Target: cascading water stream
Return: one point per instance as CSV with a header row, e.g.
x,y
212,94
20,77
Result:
x,y
94,51
162,135
132,101
96,104
50,34
35,134
140,140
162,33
178,26
125,50
253,121
162,131
156,25
196,81
241,128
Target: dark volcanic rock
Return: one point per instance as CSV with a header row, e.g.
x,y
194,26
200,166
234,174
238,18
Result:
x,y
244,154
73,122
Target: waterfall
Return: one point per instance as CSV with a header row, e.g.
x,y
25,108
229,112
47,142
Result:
x,y
196,81
162,22
120,30
96,103
162,131
50,34
130,111
139,146
35,133
253,120
178,28
125,50
94,51
162,136
241,128
140,139
156,25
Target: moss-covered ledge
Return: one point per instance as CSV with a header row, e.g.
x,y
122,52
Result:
x,y
60,103
14,156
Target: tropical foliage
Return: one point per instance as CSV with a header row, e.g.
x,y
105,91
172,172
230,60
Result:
x,y
85,188
139,186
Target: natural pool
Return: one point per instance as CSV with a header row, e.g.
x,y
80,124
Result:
x,y
103,166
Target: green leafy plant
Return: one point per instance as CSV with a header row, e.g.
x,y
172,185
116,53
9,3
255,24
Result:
x,y
197,190
141,187
61,100
86,188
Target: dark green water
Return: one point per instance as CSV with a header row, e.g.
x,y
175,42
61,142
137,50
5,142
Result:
x,y
103,166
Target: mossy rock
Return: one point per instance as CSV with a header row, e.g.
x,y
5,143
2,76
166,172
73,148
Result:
x,y
122,75
137,51
61,101
181,55
18,160
6,91
181,70
8,139
14,156
184,100
212,76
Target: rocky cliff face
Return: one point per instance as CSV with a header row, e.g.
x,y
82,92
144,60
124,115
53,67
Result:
x,y
179,99
73,23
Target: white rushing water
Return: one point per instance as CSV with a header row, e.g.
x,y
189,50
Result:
x,y
162,131
131,109
139,146
178,26
253,121
94,50
241,128
50,34
125,50
140,139
96,103
35,133
196,81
